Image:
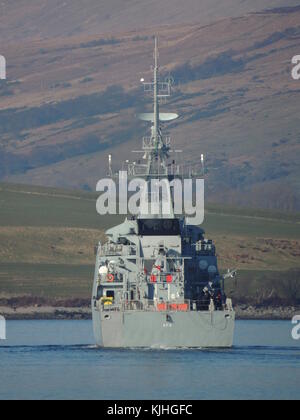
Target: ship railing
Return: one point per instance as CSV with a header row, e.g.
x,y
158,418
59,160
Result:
x,y
137,169
146,305
142,169
173,306
109,308
211,305
173,170
117,250
168,278
109,279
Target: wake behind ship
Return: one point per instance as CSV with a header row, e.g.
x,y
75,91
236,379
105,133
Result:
x,y
157,282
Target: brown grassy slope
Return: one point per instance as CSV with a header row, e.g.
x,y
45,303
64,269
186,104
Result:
x,y
21,19
47,238
244,117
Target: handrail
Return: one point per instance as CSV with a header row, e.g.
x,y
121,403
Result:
x,y
164,277
118,250
103,279
155,306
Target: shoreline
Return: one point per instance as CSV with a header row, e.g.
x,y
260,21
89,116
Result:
x,y
243,312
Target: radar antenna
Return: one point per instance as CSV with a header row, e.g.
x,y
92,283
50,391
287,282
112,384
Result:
x,y
157,147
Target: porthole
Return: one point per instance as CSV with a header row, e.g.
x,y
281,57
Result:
x,y
203,264
212,269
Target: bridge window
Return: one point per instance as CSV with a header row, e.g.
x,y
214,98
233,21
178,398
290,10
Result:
x,y
159,227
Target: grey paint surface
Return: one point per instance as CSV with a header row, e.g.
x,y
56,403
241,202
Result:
x,y
151,330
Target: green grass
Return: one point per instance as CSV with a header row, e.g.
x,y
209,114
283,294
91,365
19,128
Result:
x,y
250,226
36,206
254,213
25,206
41,257
46,280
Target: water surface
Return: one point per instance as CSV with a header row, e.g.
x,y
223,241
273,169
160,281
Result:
x,y
58,360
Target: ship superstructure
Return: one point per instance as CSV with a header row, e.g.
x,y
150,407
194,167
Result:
x,y
157,282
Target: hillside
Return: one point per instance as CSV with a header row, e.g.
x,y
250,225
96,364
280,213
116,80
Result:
x,y
47,239
21,19
71,100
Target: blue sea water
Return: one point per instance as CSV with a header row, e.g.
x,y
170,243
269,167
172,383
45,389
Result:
x,y
58,360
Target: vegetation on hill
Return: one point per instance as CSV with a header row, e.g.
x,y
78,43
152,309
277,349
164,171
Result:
x,y
71,100
47,239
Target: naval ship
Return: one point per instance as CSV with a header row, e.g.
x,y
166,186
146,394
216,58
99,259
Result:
x,y
157,282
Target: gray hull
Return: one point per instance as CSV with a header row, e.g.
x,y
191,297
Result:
x,y
139,329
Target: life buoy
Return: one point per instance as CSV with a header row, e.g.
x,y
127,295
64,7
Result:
x,y
110,278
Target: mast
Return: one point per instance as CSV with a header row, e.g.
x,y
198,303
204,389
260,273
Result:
x,y
153,157
156,147
158,156
156,102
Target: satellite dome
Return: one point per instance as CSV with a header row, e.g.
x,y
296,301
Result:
x,y
203,264
212,269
